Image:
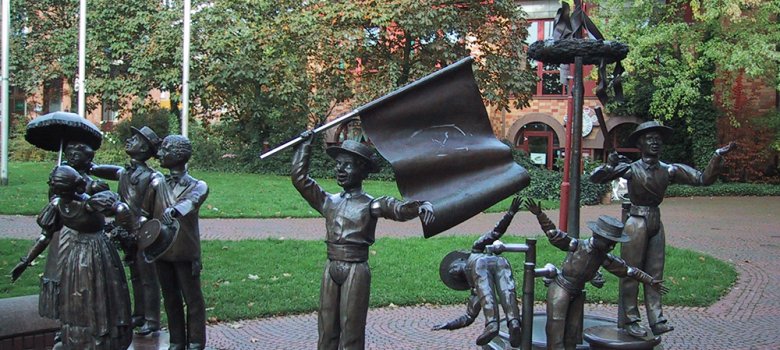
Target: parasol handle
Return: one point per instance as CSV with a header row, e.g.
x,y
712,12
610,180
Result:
x,y
59,155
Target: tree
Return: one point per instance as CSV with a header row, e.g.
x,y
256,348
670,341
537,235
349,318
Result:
x,y
684,56
132,47
272,67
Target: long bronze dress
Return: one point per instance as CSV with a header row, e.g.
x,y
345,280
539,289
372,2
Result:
x,y
93,302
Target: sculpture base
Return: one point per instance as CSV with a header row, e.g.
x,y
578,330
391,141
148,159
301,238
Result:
x,y
154,341
539,338
611,337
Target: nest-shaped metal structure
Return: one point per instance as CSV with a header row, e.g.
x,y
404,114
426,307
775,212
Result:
x,y
563,51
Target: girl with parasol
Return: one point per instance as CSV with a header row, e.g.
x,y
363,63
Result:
x,y
94,303
83,283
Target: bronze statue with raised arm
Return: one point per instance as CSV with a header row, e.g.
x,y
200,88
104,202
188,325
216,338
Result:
x,y
648,179
582,263
134,181
350,224
486,275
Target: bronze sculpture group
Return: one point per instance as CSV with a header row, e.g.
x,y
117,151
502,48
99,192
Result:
x,y
84,285
157,226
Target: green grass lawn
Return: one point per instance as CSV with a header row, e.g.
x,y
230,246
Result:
x,y
249,279
231,195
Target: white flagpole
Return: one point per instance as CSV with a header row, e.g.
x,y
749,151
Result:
x,y
80,81
4,90
185,84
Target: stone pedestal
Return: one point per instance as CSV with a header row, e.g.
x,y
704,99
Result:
x,y
610,337
20,326
156,341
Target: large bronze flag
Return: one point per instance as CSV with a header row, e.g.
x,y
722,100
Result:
x,y
436,134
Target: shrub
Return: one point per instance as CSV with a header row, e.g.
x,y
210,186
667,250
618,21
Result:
x,y
19,149
724,189
155,118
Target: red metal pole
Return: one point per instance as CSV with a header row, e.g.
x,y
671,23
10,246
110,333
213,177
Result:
x,y
563,216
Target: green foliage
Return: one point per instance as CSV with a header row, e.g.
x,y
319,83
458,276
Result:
x,y
771,121
236,287
132,48
155,118
546,184
724,189
285,65
19,150
673,63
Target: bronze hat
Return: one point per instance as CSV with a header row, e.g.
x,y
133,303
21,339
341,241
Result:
x,y
609,228
457,282
155,238
356,149
646,127
149,135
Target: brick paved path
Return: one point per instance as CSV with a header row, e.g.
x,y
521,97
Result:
x,y
742,230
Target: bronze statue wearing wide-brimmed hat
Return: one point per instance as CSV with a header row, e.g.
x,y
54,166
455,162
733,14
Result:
x,y
490,279
350,224
149,135
358,150
647,127
609,228
647,181
582,263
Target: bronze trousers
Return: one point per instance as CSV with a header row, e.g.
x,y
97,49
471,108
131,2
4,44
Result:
x,y
180,282
493,276
146,289
344,293
564,318
646,250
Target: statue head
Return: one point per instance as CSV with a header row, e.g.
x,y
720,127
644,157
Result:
x,y
452,270
64,181
649,137
607,232
79,155
175,150
353,163
142,144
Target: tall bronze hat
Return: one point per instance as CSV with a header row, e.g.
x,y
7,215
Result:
x,y
356,149
646,127
156,238
149,135
454,281
609,228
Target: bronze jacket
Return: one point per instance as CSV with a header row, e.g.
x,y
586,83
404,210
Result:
x,y
350,218
186,196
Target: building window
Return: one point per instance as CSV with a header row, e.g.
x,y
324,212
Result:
x,y
52,96
108,111
549,75
541,144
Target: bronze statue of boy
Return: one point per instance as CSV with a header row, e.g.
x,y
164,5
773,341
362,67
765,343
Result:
x,y
584,258
134,181
350,224
648,179
486,275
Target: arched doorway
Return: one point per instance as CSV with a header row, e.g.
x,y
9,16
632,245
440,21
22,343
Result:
x,y
540,142
619,130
